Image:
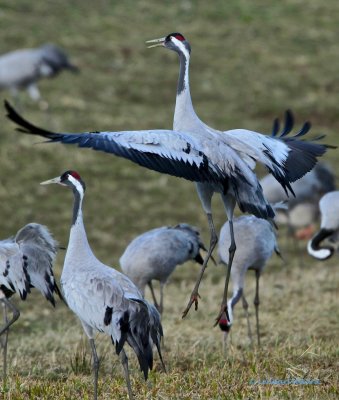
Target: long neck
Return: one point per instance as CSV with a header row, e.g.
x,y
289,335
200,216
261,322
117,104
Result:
x,y
184,111
78,243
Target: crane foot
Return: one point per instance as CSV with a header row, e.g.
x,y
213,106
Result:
x,y
194,299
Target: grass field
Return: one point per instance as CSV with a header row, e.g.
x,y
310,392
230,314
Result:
x,y
250,62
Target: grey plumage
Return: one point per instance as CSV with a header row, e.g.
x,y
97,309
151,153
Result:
x,y
155,254
256,242
22,69
287,159
104,299
303,209
221,162
329,228
26,261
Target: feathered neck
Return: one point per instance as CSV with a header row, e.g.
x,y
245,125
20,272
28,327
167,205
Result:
x,y
183,106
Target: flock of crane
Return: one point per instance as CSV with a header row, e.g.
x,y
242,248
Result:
x,y
112,302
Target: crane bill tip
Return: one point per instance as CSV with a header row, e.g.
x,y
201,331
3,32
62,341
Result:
x,y
54,180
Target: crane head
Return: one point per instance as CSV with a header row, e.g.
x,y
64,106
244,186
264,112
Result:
x,y
68,178
174,41
224,323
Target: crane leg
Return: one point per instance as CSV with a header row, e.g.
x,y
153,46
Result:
x,y
150,285
213,242
256,304
16,315
231,250
245,307
124,361
4,342
96,364
161,298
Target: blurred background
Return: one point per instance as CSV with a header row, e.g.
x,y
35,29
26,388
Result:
x,y
250,62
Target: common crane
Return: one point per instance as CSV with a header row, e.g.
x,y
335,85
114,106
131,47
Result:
x,y
221,163
104,299
236,151
329,228
155,254
303,209
22,69
256,242
26,261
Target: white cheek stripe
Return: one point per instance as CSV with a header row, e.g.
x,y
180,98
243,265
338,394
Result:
x,y
77,184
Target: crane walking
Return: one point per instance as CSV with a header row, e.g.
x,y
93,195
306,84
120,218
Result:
x,y
155,254
329,227
104,299
22,69
221,163
236,150
256,242
26,261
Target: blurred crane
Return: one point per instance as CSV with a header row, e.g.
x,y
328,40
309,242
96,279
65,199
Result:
x,y
22,69
26,261
303,209
236,151
217,162
329,228
104,299
155,254
256,242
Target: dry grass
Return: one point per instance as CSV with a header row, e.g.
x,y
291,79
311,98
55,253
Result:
x,y
250,61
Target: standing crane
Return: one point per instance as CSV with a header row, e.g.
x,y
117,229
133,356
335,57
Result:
x,y
256,241
26,261
239,150
22,69
104,299
155,254
217,162
303,209
329,228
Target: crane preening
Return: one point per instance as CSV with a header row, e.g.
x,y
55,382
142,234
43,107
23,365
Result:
x,y
221,162
329,228
104,299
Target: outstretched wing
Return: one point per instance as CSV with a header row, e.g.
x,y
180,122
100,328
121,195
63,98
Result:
x,y
165,151
287,158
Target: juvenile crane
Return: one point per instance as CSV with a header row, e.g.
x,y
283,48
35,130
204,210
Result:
x,y
221,163
155,254
256,241
22,69
303,209
26,261
104,299
329,228
236,151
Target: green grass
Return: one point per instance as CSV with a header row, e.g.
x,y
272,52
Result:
x,y
250,61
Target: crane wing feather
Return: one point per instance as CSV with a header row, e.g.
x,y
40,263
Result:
x,y
165,151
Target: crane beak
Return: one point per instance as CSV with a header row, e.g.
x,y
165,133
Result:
x,y
158,42
54,180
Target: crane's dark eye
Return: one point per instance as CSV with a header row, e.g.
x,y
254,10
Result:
x,y
177,35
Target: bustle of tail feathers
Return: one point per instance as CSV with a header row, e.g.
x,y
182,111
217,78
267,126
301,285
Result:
x,y
302,156
137,329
